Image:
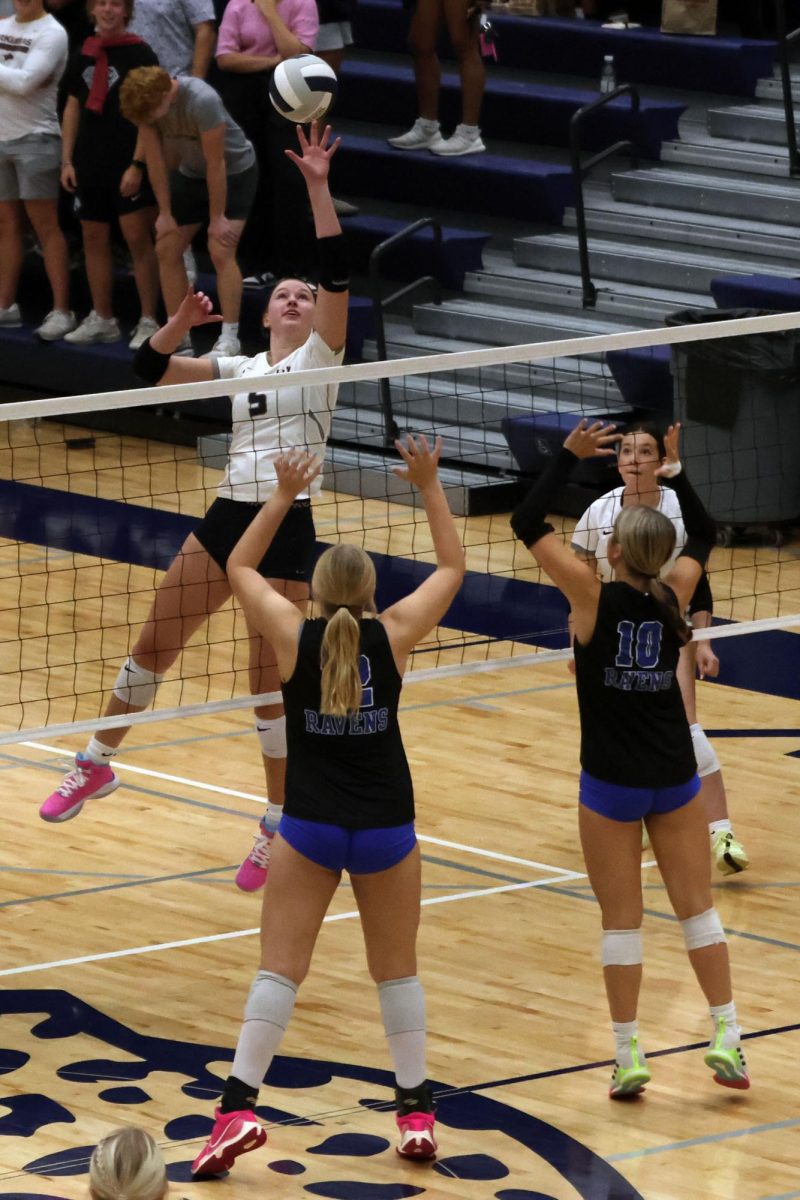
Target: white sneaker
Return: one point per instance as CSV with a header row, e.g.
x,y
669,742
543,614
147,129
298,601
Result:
x,y
462,142
145,328
95,329
56,325
190,264
11,317
227,344
417,138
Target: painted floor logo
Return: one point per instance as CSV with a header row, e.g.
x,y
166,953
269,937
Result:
x,y
132,1057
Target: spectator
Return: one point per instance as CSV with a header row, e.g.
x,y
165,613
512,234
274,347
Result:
x,y
461,18
254,36
102,166
334,36
212,183
34,52
73,16
182,33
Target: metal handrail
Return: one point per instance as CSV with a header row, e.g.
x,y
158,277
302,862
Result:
x,y
785,42
581,170
380,303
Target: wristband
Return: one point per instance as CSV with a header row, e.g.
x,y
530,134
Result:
x,y
670,470
334,263
150,365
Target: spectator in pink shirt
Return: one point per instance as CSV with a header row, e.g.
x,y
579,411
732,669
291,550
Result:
x,y
254,36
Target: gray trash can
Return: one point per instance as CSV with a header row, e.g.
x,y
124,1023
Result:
x,y
738,400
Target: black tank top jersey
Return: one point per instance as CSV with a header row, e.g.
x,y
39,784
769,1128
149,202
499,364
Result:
x,y
349,771
634,730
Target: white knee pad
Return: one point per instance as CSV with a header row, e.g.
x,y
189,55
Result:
x,y
621,947
707,761
271,999
272,735
703,930
135,685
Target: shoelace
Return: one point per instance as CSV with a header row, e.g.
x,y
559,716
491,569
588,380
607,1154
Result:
x,y
76,779
259,855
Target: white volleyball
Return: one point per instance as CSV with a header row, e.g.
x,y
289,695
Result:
x,y
302,88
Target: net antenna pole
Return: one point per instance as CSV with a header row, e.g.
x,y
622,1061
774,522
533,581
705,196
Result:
x,y
391,430
785,42
580,171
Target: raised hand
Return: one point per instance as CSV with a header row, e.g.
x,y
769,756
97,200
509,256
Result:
x,y
317,153
672,458
586,441
422,463
196,308
295,471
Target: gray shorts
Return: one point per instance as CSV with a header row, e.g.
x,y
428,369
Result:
x,y
30,167
334,35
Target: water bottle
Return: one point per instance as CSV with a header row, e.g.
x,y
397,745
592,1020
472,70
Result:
x,y
608,76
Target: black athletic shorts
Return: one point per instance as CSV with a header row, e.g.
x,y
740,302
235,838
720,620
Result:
x,y
189,196
98,203
291,555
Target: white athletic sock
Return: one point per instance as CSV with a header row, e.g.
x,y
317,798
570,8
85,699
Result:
x,y
403,1013
272,817
230,327
720,826
427,125
727,1013
266,1015
623,1032
100,754
471,130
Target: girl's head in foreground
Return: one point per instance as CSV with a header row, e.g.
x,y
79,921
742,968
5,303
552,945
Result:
x,y
127,1165
343,585
642,542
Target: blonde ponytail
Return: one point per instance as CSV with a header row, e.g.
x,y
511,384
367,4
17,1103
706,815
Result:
x,y
127,1165
647,539
343,585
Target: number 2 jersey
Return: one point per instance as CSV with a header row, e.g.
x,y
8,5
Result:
x,y
349,771
267,423
634,730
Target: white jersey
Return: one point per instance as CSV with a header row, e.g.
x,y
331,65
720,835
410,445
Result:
x,y
593,531
33,55
268,423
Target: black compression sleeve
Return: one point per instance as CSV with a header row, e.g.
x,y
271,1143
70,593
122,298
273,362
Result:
x,y
334,263
528,518
702,600
700,527
150,365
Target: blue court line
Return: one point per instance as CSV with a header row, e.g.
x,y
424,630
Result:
x,y
703,1141
610,1062
753,733
783,1196
80,874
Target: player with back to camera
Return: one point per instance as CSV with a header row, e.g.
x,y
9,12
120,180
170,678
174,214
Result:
x,y
127,1165
637,757
306,330
349,797
641,452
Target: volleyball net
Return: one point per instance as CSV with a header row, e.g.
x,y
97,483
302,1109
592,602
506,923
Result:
x,y
98,493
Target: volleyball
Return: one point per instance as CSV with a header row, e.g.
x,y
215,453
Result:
x,y
302,88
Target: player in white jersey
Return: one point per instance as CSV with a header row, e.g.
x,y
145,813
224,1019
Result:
x,y
306,329
641,453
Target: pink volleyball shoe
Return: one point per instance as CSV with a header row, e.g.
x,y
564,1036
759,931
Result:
x,y
252,874
416,1135
234,1133
86,781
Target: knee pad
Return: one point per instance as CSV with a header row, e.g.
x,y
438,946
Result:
x,y
402,1005
272,735
271,999
135,685
621,947
707,761
703,930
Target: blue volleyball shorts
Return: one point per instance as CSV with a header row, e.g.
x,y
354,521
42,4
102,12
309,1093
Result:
x,y
632,803
357,851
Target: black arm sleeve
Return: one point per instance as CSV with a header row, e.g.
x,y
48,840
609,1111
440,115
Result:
x,y
150,365
701,529
528,518
702,600
334,263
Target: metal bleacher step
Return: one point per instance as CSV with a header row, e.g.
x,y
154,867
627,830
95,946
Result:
x,y
507,324
749,123
772,89
562,384
476,445
719,154
687,272
637,222
704,192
